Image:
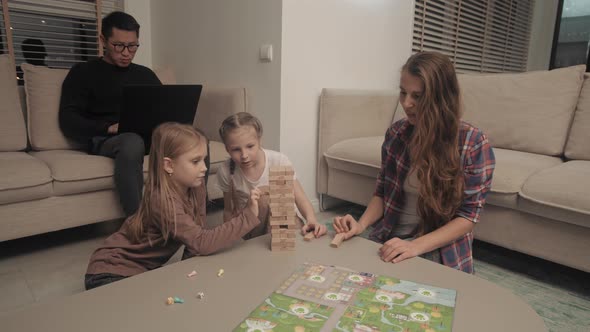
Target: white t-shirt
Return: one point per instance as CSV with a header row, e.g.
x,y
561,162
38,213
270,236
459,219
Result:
x,y
243,185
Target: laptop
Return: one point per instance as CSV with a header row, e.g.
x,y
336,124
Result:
x,y
144,107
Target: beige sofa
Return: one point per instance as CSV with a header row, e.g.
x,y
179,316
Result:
x,y
47,182
539,126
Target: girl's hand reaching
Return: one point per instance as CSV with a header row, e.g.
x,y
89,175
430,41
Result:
x,y
347,225
253,201
315,227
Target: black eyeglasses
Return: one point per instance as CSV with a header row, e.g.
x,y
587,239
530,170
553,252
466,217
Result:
x,y
119,48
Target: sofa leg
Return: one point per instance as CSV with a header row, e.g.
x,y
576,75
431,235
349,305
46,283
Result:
x,y
322,209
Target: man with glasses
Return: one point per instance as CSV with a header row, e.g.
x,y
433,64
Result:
x,y
91,103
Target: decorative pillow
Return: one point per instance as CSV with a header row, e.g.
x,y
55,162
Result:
x,y
43,90
528,112
13,135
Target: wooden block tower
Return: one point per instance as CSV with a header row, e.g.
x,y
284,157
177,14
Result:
x,y
283,219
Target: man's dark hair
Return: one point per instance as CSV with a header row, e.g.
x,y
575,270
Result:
x,y
119,20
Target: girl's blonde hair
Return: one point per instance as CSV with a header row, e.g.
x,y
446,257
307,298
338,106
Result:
x,y
231,123
238,120
156,211
434,144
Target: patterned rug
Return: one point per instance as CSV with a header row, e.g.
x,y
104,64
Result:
x,y
560,295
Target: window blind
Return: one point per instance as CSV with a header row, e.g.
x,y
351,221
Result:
x,y
478,35
54,33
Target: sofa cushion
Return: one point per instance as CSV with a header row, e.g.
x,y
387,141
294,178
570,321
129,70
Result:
x,y
165,74
561,192
43,90
77,172
24,178
217,156
215,105
577,144
13,135
528,112
356,155
513,168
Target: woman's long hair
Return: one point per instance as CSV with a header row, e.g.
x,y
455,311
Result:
x,y
434,150
156,212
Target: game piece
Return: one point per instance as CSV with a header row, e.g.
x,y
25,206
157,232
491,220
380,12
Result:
x,y
200,295
338,238
309,236
283,219
192,274
220,272
172,300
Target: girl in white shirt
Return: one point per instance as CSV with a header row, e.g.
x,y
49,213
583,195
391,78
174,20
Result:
x,y
248,168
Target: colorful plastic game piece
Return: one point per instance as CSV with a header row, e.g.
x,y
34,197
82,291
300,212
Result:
x,y
220,272
172,300
192,274
200,295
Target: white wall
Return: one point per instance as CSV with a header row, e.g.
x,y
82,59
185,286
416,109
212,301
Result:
x,y
140,10
542,28
335,44
216,42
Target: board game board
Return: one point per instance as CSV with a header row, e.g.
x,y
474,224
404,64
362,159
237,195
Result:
x,y
330,298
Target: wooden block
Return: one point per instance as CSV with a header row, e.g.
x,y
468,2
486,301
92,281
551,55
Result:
x,y
294,226
282,222
337,240
290,234
283,242
265,190
282,248
309,236
287,200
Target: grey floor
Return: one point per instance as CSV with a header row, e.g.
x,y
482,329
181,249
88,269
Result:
x,y
48,267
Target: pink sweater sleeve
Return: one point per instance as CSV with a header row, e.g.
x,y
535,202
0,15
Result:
x,y
202,241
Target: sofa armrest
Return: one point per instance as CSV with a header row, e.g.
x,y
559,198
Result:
x,y
346,114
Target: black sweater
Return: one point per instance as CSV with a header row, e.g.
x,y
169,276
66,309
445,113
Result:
x,y
92,94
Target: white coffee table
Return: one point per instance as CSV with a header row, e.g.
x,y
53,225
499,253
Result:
x,y
253,272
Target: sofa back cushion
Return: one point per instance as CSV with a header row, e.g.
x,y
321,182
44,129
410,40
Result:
x,y
577,144
43,92
215,105
13,135
528,112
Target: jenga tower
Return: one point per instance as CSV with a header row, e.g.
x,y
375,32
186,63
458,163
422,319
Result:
x,y
283,223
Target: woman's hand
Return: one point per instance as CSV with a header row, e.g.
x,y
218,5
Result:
x,y
253,201
347,225
397,250
315,227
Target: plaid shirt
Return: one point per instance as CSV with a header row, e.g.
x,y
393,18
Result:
x,y
478,163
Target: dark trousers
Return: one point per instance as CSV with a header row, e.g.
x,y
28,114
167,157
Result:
x,y
128,151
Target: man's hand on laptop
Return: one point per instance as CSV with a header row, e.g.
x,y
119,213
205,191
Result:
x,y
113,129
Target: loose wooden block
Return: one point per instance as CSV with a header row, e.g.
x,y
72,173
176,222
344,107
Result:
x,y
309,236
338,238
